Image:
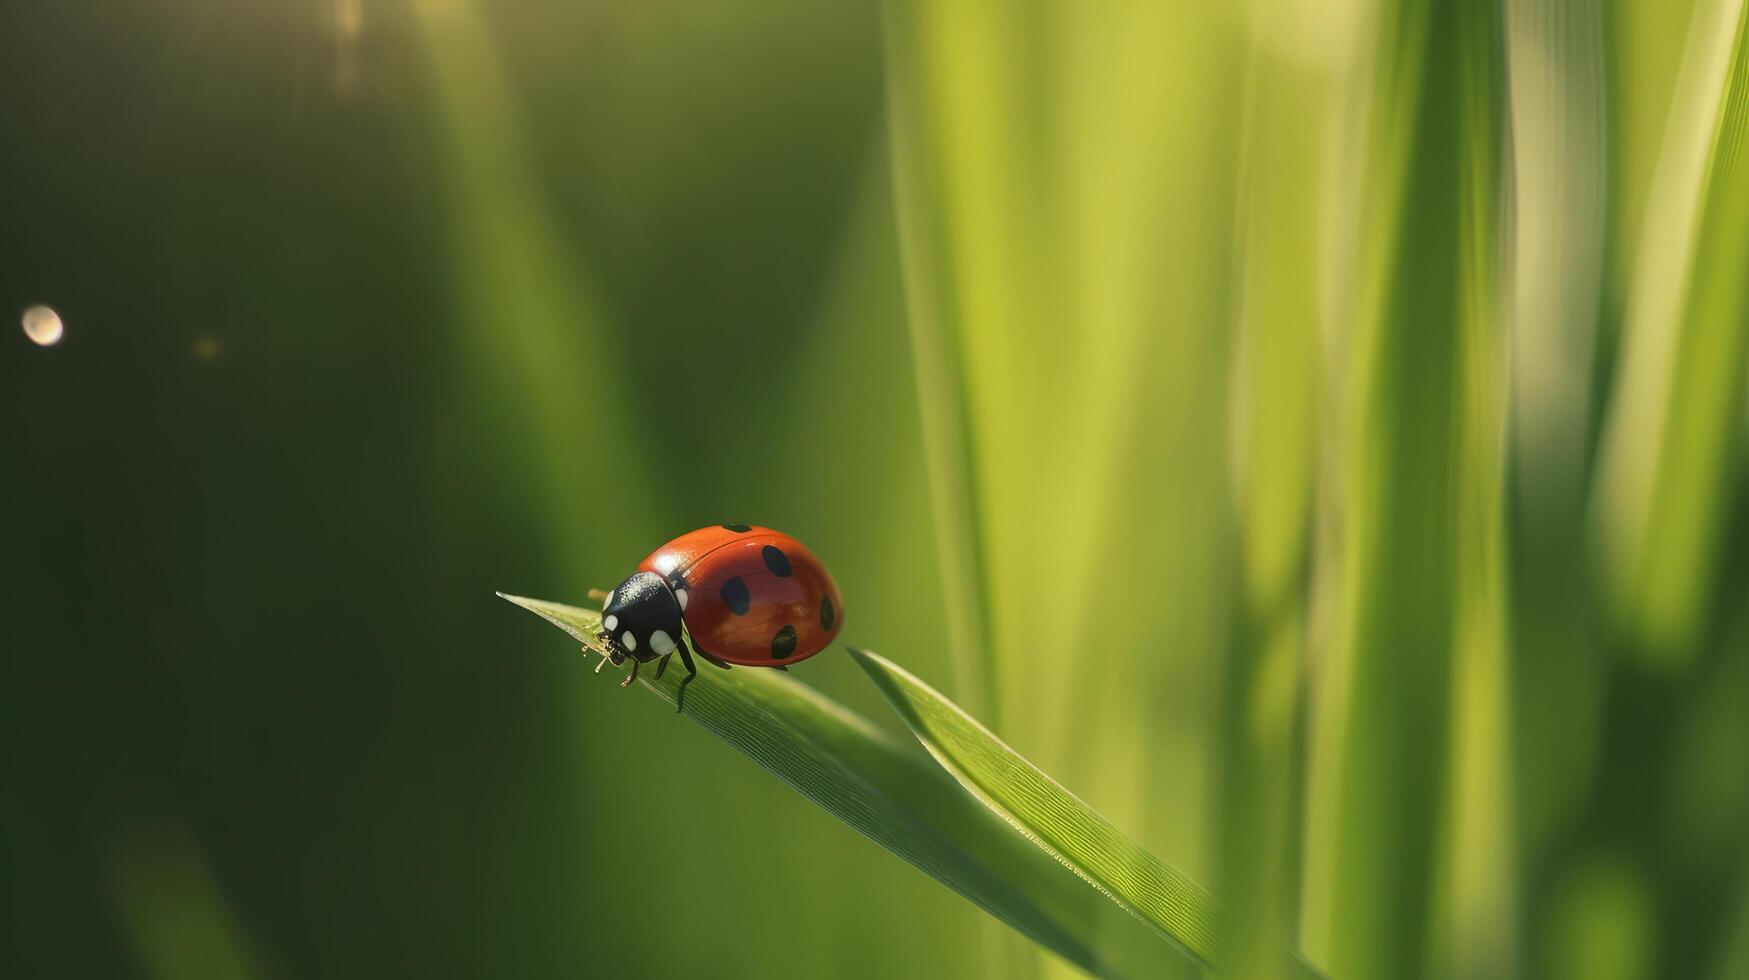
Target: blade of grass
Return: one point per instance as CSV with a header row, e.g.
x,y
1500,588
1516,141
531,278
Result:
x,y
174,909
894,795
1668,453
1038,807
1420,483
1156,894
940,382
1556,83
936,316
532,323
1281,311
1479,878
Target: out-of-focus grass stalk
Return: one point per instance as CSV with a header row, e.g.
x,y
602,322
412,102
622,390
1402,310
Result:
x,y
1288,142
1061,170
962,182
529,345
526,309
1555,58
949,71
1733,956
1556,84
1141,183
1376,129
1600,922
1669,452
1423,590
1479,935
1643,50
940,375
172,908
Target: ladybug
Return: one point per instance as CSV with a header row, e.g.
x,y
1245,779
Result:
x,y
747,596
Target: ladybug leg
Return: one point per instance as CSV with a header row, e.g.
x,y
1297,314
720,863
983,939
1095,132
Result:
x,y
631,676
691,672
662,665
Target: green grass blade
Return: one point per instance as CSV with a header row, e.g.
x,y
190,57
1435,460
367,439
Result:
x,y
532,322
895,796
1670,454
940,382
172,906
1050,814
1412,679
1285,328
1038,807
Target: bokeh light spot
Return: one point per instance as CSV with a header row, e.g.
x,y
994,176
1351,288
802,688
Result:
x,y
43,326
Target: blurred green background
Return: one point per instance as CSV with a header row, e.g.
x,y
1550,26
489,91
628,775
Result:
x,y
1312,431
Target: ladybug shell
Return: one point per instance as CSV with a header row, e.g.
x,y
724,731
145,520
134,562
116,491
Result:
x,y
754,596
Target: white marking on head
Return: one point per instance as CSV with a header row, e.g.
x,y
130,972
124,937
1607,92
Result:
x,y
628,641
660,643
680,597
611,622
608,602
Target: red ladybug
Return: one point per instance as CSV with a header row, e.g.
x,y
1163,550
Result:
x,y
747,595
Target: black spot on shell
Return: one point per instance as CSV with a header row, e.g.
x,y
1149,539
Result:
x,y
736,596
783,645
775,560
738,528
828,615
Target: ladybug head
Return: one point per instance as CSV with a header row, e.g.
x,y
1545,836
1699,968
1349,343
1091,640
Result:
x,y
640,619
